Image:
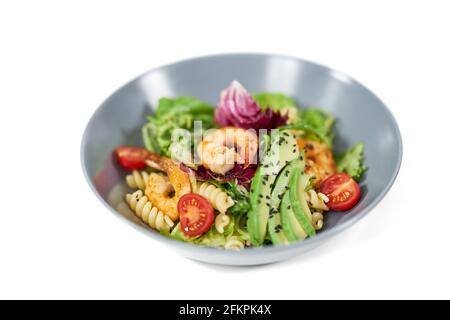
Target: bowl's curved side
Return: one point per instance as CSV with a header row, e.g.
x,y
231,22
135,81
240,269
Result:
x,y
361,117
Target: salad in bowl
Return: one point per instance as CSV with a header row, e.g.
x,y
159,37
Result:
x,y
256,170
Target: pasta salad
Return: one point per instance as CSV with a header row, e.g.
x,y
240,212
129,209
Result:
x,y
256,170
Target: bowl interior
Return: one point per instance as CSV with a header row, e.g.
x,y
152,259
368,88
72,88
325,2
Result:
x,y
360,115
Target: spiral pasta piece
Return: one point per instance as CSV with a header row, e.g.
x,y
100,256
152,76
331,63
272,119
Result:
x,y
137,180
221,222
233,243
148,213
317,220
218,198
317,200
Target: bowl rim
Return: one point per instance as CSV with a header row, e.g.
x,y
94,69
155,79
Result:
x,y
319,238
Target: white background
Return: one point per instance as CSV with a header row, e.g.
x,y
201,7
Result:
x,y
60,59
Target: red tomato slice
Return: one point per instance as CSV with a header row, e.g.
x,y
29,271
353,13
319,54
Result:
x,y
344,193
132,158
196,214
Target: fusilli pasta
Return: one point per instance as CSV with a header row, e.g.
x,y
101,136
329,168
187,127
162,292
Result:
x,y
137,180
317,200
148,213
317,220
218,198
233,243
221,222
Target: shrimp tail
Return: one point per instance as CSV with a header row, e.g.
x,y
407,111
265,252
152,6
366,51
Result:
x,y
157,162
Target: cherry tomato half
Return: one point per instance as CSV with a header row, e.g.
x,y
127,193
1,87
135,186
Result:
x,y
132,158
196,214
343,192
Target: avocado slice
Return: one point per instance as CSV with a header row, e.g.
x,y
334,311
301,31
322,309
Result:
x,y
283,149
289,223
281,187
256,216
303,184
297,185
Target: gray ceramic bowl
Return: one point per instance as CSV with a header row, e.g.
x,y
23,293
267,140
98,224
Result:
x,y
361,116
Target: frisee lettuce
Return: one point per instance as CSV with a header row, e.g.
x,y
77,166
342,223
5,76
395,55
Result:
x,y
240,197
352,162
317,124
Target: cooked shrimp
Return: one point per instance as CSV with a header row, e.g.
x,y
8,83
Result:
x,y
165,191
319,160
222,148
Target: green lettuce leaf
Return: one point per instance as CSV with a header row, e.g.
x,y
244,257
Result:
x,y
276,101
182,105
212,238
172,114
317,124
279,102
240,197
352,162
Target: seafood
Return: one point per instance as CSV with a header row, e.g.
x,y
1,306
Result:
x,y
319,160
222,148
165,191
